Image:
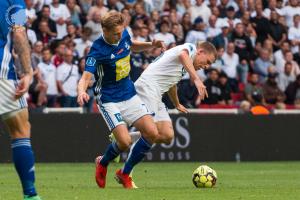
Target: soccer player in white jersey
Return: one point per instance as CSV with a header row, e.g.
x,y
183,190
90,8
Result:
x,y
13,106
162,76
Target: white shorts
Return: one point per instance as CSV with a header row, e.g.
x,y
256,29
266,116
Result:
x,y
7,101
153,102
125,112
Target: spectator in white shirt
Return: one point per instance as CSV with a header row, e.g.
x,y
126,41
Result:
x,y
197,33
200,9
212,30
48,72
164,34
67,78
30,12
294,34
61,15
284,79
279,56
95,25
289,11
231,61
83,42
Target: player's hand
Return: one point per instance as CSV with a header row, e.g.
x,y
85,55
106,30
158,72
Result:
x,y
159,44
82,98
181,108
23,86
201,89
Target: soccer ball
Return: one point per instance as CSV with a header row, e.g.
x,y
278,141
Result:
x,y
204,177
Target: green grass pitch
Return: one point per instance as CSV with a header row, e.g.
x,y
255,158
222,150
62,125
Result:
x,y
160,181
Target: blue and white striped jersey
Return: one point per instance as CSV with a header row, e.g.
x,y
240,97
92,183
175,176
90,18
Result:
x,y
110,65
12,12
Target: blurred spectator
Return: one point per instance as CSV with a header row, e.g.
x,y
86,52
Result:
x,y
114,5
44,33
36,54
57,59
75,12
67,78
222,39
61,15
219,63
83,42
271,7
95,25
164,34
277,31
231,61
261,64
294,34
48,73
271,91
71,32
197,33
225,90
293,92
212,30
187,93
230,17
97,8
243,45
186,23
244,107
44,15
213,88
279,56
297,56
260,24
200,9
253,86
258,107
288,57
290,10
178,33
30,12
284,79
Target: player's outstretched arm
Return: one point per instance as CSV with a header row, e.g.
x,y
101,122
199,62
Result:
x,y
172,93
187,63
138,46
82,86
22,48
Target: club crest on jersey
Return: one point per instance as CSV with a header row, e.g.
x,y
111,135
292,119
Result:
x,y
90,61
112,56
127,46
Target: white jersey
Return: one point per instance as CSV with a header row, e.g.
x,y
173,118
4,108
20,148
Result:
x,y
167,69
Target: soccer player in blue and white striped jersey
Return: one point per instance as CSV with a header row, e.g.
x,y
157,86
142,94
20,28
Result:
x,y
13,106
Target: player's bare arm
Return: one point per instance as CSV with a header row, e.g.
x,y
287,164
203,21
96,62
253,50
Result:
x,y
172,93
138,46
187,63
22,49
82,87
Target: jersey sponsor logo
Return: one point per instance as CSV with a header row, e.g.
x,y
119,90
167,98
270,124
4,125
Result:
x,y
112,56
90,61
127,46
15,15
122,68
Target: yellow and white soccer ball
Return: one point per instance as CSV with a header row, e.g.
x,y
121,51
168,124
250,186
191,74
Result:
x,y
204,177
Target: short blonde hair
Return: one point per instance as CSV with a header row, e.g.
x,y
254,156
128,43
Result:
x,y
207,47
112,19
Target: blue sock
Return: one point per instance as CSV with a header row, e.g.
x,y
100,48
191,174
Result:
x,y
24,163
112,151
138,152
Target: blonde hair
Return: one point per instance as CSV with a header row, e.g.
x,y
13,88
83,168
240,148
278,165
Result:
x,y
112,19
207,47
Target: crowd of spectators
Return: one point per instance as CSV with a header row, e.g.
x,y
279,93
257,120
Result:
x,y
257,41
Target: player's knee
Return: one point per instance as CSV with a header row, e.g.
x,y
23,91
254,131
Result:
x,y
124,144
151,134
168,137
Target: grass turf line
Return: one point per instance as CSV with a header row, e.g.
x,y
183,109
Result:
x,y
160,181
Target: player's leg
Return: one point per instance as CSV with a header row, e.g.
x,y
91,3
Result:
x,y
165,132
14,114
19,129
113,119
